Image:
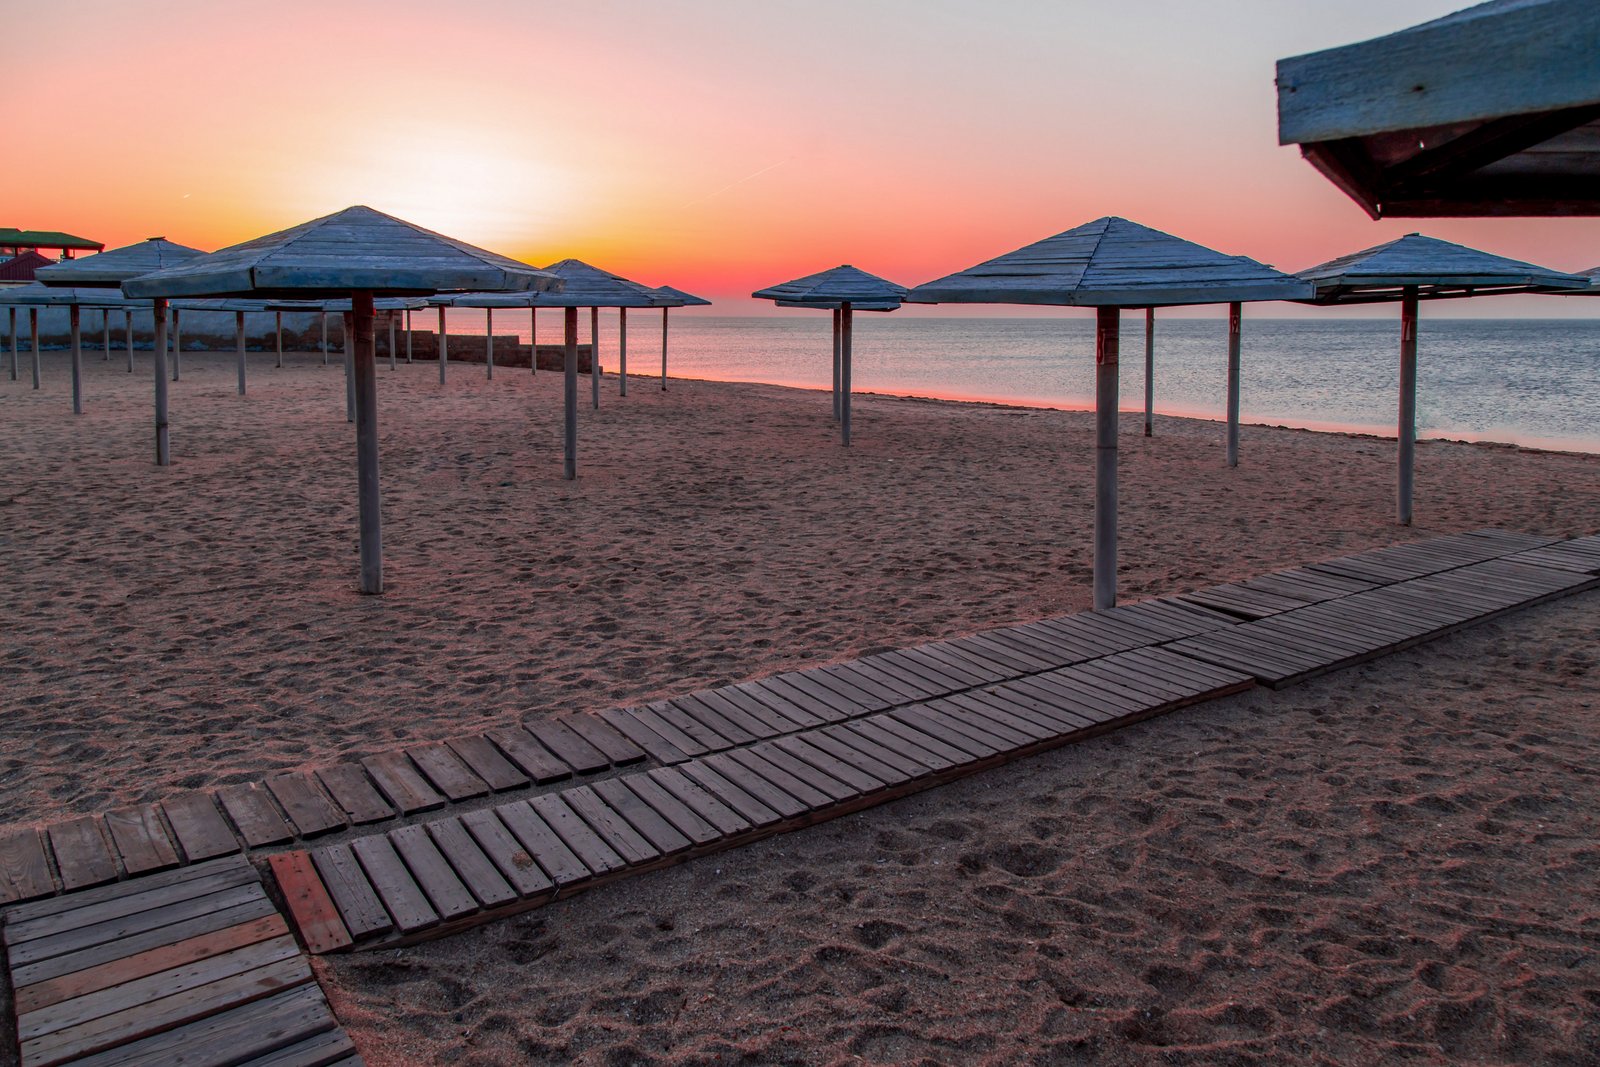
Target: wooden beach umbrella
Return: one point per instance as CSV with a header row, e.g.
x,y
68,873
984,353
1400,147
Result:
x,y
1492,110
1415,268
323,308
681,299
356,253
588,286
109,270
842,289
35,295
1110,264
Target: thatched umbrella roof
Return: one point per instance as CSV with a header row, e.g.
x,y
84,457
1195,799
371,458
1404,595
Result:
x,y
1493,110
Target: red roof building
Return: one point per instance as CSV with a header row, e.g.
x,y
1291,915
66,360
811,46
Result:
x,y
18,270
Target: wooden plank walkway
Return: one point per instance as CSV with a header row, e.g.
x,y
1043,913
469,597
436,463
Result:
x,y
193,966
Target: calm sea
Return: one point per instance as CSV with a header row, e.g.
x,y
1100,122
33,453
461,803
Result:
x,y
1529,382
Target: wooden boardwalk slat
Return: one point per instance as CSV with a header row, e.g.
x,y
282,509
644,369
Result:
x,y
432,873
24,867
777,688
731,701
308,809
141,839
514,862
724,726
353,791
735,773
731,796
109,916
82,855
401,783
672,732
663,836
486,761
610,826
471,864
848,772
854,737
559,862
568,746
250,1032
800,780
347,883
447,772
680,816
597,855
855,691
530,757
315,914
606,738
895,737
627,723
402,897
727,821
789,709
254,814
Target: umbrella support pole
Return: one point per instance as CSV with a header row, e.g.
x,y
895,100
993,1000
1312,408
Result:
x,y
392,356
1408,404
13,344
444,346
324,338
408,336
73,315
836,314
1234,327
664,349
33,337
349,368
488,344
533,341
845,316
365,389
238,330
177,343
1107,324
1149,371
570,394
127,326
105,336
622,351
594,354
277,327
159,316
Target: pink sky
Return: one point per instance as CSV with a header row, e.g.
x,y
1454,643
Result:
x,y
716,146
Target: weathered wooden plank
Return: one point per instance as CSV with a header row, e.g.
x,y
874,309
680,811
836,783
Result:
x,y
856,692
724,726
733,717
486,761
316,916
664,837
532,758
308,809
141,839
126,896
433,873
471,865
568,746
118,927
514,862
663,715
627,723
783,719
611,743
402,897
447,772
849,769
849,736
24,867
919,717
588,846
797,713
347,883
889,690
255,1026
732,796
401,783
330,1048
755,785
779,689
610,826
145,1019
727,820
991,716
82,855
354,792
673,733
690,825
894,738
544,844
144,962
254,814
843,706
805,783
769,722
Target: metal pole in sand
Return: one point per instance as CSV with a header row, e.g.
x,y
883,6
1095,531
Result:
x,y
664,348
570,392
277,328
349,369
177,343
127,326
238,330
77,360
1107,324
408,335
444,345
622,351
533,340
488,344
1149,370
365,390
1408,402
845,316
836,336
594,354
324,338
1234,326
158,314
33,337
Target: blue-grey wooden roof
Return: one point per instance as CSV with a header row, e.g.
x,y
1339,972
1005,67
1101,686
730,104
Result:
x,y
582,286
831,287
1435,268
682,298
354,249
1112,262
1591,287
835,305
91,296
119,264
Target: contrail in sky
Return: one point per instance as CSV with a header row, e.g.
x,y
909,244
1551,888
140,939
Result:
x,y
741,181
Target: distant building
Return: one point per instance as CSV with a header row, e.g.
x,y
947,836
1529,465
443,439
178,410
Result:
x,y
14,242
18,269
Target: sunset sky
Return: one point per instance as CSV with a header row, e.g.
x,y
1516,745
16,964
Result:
x,y
715,146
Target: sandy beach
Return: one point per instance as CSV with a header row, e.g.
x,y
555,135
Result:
x,y
1393,862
